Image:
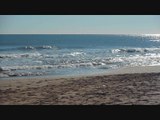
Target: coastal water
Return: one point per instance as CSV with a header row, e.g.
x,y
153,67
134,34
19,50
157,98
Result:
x,y
63,55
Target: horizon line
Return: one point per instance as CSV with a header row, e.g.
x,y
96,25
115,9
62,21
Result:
x,y
80,33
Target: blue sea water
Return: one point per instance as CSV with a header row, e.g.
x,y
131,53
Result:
x,y
63,55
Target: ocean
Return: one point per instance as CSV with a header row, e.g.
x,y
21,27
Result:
x,y
75,54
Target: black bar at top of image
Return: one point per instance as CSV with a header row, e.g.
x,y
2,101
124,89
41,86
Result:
x,y
79,7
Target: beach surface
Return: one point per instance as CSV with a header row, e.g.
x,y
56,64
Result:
x,y
126,86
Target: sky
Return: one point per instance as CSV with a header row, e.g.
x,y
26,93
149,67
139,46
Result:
x,y
79,24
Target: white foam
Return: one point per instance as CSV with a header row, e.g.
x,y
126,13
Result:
x,y
76,53
47,47
156,40
115,50
149,59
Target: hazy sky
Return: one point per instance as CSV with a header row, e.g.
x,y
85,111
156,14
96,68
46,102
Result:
x,y
87,24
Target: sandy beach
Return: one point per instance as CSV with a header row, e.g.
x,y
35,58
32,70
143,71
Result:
x,y
127,86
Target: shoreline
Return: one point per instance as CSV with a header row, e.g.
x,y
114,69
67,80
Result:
x,y
123,70
132,85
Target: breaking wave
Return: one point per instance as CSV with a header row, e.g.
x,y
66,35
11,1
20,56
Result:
x,y
24,55
135,50
30,48
66,64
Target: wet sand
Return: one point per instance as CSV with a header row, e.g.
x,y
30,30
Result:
x,y
127,86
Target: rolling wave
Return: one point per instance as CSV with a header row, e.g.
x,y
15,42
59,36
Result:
x,y
38,47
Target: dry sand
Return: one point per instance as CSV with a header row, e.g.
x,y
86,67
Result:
x,y
127,86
